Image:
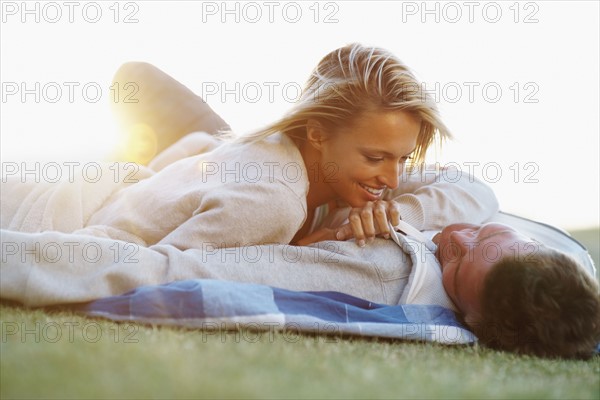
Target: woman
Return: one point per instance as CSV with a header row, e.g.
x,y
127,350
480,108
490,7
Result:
x,y
362,115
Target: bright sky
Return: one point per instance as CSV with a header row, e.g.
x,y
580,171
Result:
x,y
517,82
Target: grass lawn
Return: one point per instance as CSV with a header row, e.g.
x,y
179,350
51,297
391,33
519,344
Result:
x,y
62,355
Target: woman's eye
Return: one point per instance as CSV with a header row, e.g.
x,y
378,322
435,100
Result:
x,y
374,159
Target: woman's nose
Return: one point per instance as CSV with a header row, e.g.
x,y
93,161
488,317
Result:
x,y
390,175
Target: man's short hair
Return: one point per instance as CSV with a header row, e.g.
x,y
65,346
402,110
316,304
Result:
x,y
542,304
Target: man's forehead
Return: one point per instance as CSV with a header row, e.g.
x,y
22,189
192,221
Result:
x,y
510,237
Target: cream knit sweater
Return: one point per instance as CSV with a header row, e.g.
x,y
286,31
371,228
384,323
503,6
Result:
x,y
235,195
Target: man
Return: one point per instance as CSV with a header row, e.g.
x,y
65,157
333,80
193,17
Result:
x,y
515,293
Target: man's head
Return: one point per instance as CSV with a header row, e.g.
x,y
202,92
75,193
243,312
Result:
x,y
517,294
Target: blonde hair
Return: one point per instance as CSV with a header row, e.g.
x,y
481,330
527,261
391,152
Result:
x,y
352,80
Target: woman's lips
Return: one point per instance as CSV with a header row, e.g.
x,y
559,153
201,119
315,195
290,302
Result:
x,y
374,193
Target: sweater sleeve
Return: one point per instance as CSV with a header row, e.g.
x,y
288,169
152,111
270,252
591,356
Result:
x,y
431,198
241,214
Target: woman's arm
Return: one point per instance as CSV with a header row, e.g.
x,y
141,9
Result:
x,y
430,199
241,214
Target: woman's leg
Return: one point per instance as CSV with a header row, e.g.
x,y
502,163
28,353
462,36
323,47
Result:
x,y
154,111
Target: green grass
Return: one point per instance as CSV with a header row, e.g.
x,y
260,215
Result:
x,y
95,358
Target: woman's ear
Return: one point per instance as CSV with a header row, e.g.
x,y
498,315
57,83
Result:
x,y
315,134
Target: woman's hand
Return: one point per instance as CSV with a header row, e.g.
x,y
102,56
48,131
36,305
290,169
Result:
x,y
369,221
365,223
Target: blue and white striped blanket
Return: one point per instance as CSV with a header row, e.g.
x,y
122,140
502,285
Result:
x,y
215,304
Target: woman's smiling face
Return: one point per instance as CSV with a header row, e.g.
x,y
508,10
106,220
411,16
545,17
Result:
x,y
360,161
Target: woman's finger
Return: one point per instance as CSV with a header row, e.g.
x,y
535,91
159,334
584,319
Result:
x,y
394,212
367,220
380,211
356,224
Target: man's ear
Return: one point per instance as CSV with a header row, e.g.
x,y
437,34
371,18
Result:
x,y
315,133
472,319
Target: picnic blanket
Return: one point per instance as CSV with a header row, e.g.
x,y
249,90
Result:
x,y
216,304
